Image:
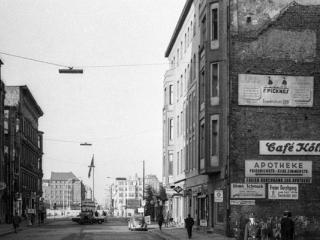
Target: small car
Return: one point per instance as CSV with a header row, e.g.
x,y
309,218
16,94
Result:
x,y
137,223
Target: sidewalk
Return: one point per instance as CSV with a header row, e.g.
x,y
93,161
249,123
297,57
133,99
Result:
x,y
179,233
8,228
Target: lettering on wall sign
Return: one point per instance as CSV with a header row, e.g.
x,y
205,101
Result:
x,y
281,147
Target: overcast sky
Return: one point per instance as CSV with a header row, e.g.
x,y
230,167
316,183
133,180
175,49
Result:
x,y
117,109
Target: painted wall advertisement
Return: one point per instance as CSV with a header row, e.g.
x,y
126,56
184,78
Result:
x,y
275,90
282,147
244,190
283,191
278,171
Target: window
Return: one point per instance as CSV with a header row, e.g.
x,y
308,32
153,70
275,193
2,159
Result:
x,y
194,66
185,42
178,55
214,33
178,90
181,47
181,86
202,144
165,96
170,129
170,94
178,125
203,30
170,159
214,139
202,87
214,82
178,163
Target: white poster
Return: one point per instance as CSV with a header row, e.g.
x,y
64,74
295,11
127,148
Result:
x,y
275,90
244,190
283,191
281,147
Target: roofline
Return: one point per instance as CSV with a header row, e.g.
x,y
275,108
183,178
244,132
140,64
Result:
x,y
28,92
178,27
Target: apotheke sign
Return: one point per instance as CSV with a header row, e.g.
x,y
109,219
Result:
x,y
282,147
278,171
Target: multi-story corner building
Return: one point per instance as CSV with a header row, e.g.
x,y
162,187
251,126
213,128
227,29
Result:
x,y
3,209
23,151
126,195
64,191
256,111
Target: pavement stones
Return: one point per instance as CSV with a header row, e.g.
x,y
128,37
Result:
x,y
179,233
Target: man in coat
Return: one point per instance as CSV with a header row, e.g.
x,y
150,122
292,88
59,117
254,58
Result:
x,y
287,226
188,224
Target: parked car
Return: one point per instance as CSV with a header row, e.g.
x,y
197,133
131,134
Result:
x,y
137,223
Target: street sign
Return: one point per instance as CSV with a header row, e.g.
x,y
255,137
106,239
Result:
x,y
218,196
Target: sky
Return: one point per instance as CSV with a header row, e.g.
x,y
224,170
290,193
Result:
x,y
116,104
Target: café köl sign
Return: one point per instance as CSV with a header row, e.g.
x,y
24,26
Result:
x,y
278,171
285,147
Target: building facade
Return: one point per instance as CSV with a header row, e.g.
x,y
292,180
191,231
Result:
x,y
153,181
3,183
63,191
23,152
126,195
256,95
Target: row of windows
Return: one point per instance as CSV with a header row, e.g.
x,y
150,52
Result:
x,y
184,43
29,182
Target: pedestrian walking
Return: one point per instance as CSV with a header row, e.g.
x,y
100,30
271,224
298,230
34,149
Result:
x,y
287,226
160,221
16,222
188,224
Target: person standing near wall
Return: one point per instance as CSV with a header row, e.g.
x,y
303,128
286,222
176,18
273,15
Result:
x,y
188,224
287,226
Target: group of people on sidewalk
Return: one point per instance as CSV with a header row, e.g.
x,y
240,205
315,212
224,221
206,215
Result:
x,y
286,229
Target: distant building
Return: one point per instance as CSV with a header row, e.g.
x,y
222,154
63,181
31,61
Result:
x,y
63,190
23,152
126,195
152,180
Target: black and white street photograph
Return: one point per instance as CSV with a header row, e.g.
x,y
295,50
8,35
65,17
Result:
x,y
160,120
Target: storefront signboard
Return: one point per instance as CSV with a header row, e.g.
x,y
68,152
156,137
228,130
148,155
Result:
x,y
242,202
218,196
282,147
283,191
275,90
203,223
278,171
247,190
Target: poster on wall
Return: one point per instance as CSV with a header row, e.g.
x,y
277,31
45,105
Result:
x,y
275,90
283,191
286,147
278,171
245,190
